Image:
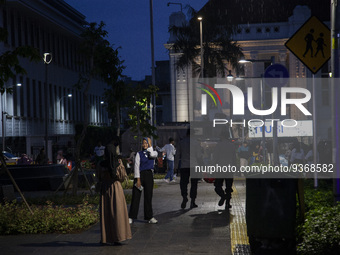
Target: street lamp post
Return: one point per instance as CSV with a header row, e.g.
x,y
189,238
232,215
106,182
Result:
x,y
175,3
47,60
271,60
230,78
201,45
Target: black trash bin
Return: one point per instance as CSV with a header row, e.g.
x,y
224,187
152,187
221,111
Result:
x,y
271,215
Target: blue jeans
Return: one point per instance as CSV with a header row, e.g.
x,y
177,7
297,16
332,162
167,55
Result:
x,y
170,173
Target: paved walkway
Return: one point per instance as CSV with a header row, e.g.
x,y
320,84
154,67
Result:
x,y
208,229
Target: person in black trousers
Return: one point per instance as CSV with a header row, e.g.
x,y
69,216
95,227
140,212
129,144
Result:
x,y
143,180
224,155
184,166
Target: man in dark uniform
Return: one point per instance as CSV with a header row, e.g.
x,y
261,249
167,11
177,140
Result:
x,y
224,155
184,163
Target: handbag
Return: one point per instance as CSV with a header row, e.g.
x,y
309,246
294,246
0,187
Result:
x,y
121,172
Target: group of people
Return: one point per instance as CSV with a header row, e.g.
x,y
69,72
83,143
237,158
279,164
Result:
x,y
114,217
42,158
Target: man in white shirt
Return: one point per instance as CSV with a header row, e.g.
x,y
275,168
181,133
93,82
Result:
x,y
170,151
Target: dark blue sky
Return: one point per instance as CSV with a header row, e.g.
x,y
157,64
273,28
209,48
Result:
x,y
128,26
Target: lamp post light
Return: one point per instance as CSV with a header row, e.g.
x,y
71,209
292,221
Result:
x,y
175,3
47,60
201,45
275,143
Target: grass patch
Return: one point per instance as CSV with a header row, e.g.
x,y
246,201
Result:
x,y
319,234
16,218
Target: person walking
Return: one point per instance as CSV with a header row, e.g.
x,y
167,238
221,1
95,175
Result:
x,y
114,219
143,180
244,154
224,155
184,162
170,151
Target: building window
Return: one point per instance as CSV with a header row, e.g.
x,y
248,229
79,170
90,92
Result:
x,y
247,30
37,31
276,29
19,32
40,97
259,30
43,40
32,35
50,87
267,29
22,100
5,23
26,25
28,97
12,30
15,95
34,96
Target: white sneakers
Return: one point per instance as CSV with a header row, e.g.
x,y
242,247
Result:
x,y
153,221
168,181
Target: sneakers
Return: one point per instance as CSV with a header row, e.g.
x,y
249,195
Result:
x,y
221,202
167,180
192,204
153,221
184,202
130,220
173,181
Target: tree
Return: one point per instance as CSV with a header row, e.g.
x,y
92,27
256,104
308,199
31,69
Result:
x,y
116,92
101,61
139,113
218,46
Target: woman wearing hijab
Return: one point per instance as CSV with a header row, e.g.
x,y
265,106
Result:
x,y
114,219
143,181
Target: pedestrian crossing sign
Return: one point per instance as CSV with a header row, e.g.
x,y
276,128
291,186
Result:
x,y
311,43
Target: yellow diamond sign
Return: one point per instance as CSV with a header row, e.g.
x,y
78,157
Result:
x,y
311,44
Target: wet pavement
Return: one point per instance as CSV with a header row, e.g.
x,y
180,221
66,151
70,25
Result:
x,y
207,229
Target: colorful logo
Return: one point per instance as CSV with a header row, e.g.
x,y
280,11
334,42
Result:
x,y
204,97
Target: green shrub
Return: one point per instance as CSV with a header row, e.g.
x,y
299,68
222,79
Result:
x,y
318,198
68,199
128,184
159,176
17,219
321,232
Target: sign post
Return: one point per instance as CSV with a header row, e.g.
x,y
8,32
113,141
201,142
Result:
x,y
311,44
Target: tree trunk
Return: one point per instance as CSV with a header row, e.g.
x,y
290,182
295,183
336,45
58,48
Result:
x,y
83,132
118,117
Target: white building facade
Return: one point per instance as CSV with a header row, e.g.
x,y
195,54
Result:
x,y
264,43
52,27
